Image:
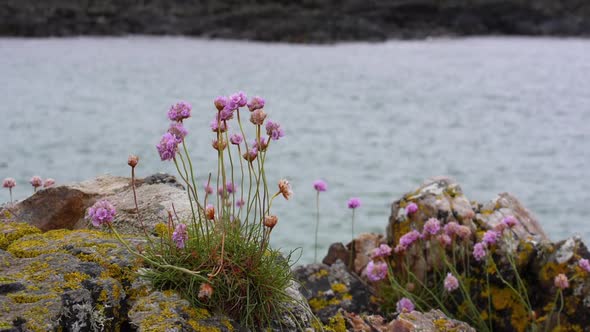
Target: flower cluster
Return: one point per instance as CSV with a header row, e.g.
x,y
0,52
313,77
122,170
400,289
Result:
x,y
9,183
320,185
101,213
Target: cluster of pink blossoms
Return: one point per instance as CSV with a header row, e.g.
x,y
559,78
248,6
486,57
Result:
x,y
491,237
168,146
101,213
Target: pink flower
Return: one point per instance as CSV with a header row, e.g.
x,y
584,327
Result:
x,y
168,146
220,102
510,221
561,281
208,189
463,232
451,228
215,126
9,183
102,212
451,283
584,264
180,236
409,238
411,208
444,240
179,111
256,103
240,203
432,226
354,203
376,271
490,237
320,185
230,187
382,251
404,305
257,117
48,182
36,181
236,139
239,98
479,251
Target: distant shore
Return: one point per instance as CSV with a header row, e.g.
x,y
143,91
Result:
x,y
299,21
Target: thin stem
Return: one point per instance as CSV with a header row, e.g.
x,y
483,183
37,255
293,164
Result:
x,y
317,225
137,206
352,244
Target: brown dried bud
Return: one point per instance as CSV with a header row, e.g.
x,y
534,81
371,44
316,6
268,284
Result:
x,y
285,189
210,212
250,155
219,144
132,160
258,117
270,221
205,292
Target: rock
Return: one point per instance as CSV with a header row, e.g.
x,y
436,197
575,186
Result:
x,y
414,321
337,251
64,207
331,288
299,21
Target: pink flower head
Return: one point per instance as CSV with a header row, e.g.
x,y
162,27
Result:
x,y
431,227
510,221
409,238
490,237
584,264
220,191
411,208
274,130
320,185
178,130
168,146
236,139
451,283
376,270
257,117
399,248
262,144
404,305
382,251
102,212
180,235
9,183
463,232
354,203
48,182
444,240
239,98
561,281
451,228
36,181
240,203
220,102
230,187
479,251
226,114
256,103
179,111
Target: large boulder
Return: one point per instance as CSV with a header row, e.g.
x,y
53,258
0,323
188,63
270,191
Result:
x,y
415,321
64,207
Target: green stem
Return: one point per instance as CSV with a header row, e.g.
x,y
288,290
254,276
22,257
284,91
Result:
x,y
317,226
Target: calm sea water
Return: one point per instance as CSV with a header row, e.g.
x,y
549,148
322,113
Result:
x,y
373,120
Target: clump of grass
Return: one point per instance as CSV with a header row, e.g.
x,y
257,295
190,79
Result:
x,y
220,257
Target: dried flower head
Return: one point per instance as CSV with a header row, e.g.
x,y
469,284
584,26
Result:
x,y
180,235
178,130
320,185
48,183
285,188
205,292
451,283
463,232
9,183
444,240
219,145
257,117
102,212
179,111
236,139
168,146
376,270
561,281
132,160
404,305
256,103
270,221
411,208
210,212
220,102
36,181
354,203
262,144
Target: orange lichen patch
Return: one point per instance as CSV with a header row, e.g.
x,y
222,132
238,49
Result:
x,y
507,299
550,270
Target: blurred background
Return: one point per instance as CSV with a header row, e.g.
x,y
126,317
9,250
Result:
x,y
375,97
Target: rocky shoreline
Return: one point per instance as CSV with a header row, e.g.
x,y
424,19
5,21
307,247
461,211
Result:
x,y
57,274
300,21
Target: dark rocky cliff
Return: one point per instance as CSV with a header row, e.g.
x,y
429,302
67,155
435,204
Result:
x,y
295,20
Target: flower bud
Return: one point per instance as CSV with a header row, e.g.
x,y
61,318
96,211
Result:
x,y
210,212
258,117
270,221
219,145
205,292
132,160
